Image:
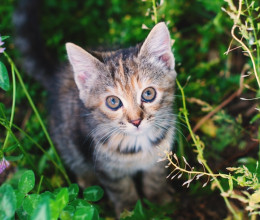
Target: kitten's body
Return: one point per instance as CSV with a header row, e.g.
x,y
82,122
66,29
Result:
x,y
117,143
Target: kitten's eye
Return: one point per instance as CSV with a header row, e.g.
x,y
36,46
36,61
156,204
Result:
x,y
113,102
148,94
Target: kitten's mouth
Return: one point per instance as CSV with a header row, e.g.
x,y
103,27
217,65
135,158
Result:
x,y
138,131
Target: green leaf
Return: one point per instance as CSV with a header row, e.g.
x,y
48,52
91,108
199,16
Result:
x,y
139,211
30,203
59,203
4,78
11,148
14,158
42,212
27,182
22,215
48,195
67,213
79,203
86,213
73,191
7,202
4,38
93,193
19,198
2,111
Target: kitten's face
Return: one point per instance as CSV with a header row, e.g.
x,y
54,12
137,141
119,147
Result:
x,y
135,96
130,93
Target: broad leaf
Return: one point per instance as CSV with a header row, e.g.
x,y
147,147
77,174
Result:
x,y
42,211
26,182
30,203
7,202
73,191
4,78
86,213
93,193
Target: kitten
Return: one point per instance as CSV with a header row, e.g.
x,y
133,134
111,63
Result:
x,y
111,114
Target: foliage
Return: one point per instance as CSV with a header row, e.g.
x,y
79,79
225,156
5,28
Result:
x,y
218,72
62,203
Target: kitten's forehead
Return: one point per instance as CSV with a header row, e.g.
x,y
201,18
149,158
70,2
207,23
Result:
x,y
123,68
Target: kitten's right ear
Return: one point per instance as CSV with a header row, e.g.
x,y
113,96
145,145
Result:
x,y
157,46
85,66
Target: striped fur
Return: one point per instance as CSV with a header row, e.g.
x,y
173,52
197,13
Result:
x,y
120,149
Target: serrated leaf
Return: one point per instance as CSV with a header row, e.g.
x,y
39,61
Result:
x,y
26,182
14,158
93,193
7,202
73,191
86,213
30,203
42,212
4,78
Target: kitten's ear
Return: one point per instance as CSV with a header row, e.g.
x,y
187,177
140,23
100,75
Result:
x,y
86,67
157,46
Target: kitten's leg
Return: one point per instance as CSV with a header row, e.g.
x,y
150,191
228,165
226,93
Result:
x,y
155,186
121,191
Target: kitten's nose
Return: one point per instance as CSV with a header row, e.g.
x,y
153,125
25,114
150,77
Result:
x,y
136,122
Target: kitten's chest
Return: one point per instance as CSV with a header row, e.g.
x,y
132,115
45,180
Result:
x,y
131,154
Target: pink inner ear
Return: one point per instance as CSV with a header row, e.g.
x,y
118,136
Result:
x,y
82,78
166,58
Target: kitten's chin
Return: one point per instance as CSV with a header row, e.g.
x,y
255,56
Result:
x,y
138,131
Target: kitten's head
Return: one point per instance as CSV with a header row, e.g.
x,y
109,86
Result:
x,y
130,91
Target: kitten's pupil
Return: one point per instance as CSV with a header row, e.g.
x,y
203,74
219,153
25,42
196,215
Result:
x,y
113,101
148,93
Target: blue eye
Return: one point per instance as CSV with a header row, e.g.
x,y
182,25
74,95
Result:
x,y
113,103
149,94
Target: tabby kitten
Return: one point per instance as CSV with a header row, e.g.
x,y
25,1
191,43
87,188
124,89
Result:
x,y
110,112
127,98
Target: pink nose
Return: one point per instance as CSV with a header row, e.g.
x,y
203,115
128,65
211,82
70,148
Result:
x,y
136,122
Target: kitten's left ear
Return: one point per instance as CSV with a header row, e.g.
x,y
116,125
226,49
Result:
x,y
157,46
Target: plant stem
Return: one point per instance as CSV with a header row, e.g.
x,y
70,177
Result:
x,y
242,43
40,184
155,12
255,36
13,106
44,151
200,151
37,114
